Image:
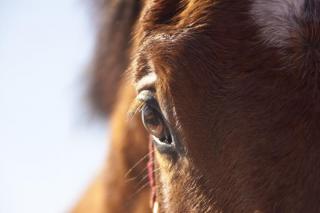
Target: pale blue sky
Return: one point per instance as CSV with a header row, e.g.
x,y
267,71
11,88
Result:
x,y
49,151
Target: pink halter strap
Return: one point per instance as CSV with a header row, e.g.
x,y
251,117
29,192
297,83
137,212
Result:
x,y
151,177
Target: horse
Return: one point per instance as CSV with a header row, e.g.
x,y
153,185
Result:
x,y
228,92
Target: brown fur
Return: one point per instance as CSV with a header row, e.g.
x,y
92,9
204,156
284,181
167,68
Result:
x,y
241,91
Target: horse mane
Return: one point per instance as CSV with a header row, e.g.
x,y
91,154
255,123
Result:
x,y
116,20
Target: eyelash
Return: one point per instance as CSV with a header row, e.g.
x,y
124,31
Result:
x,y
144,98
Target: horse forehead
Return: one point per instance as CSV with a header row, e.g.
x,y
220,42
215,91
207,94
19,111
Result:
x,y
168,30
279,23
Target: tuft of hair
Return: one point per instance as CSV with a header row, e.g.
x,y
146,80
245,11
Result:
x,y
115,22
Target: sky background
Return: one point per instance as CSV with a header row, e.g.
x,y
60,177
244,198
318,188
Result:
x,y
50,149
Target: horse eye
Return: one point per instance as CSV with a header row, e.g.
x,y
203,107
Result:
x,y
155,124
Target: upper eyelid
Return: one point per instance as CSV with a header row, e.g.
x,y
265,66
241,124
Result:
x,y
146,95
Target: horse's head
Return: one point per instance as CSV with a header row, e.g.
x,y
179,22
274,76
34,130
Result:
x,y
230,92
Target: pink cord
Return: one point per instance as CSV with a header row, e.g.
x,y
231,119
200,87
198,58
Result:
x,y
151,178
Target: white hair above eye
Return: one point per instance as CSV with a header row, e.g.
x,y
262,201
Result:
x,y
146,81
